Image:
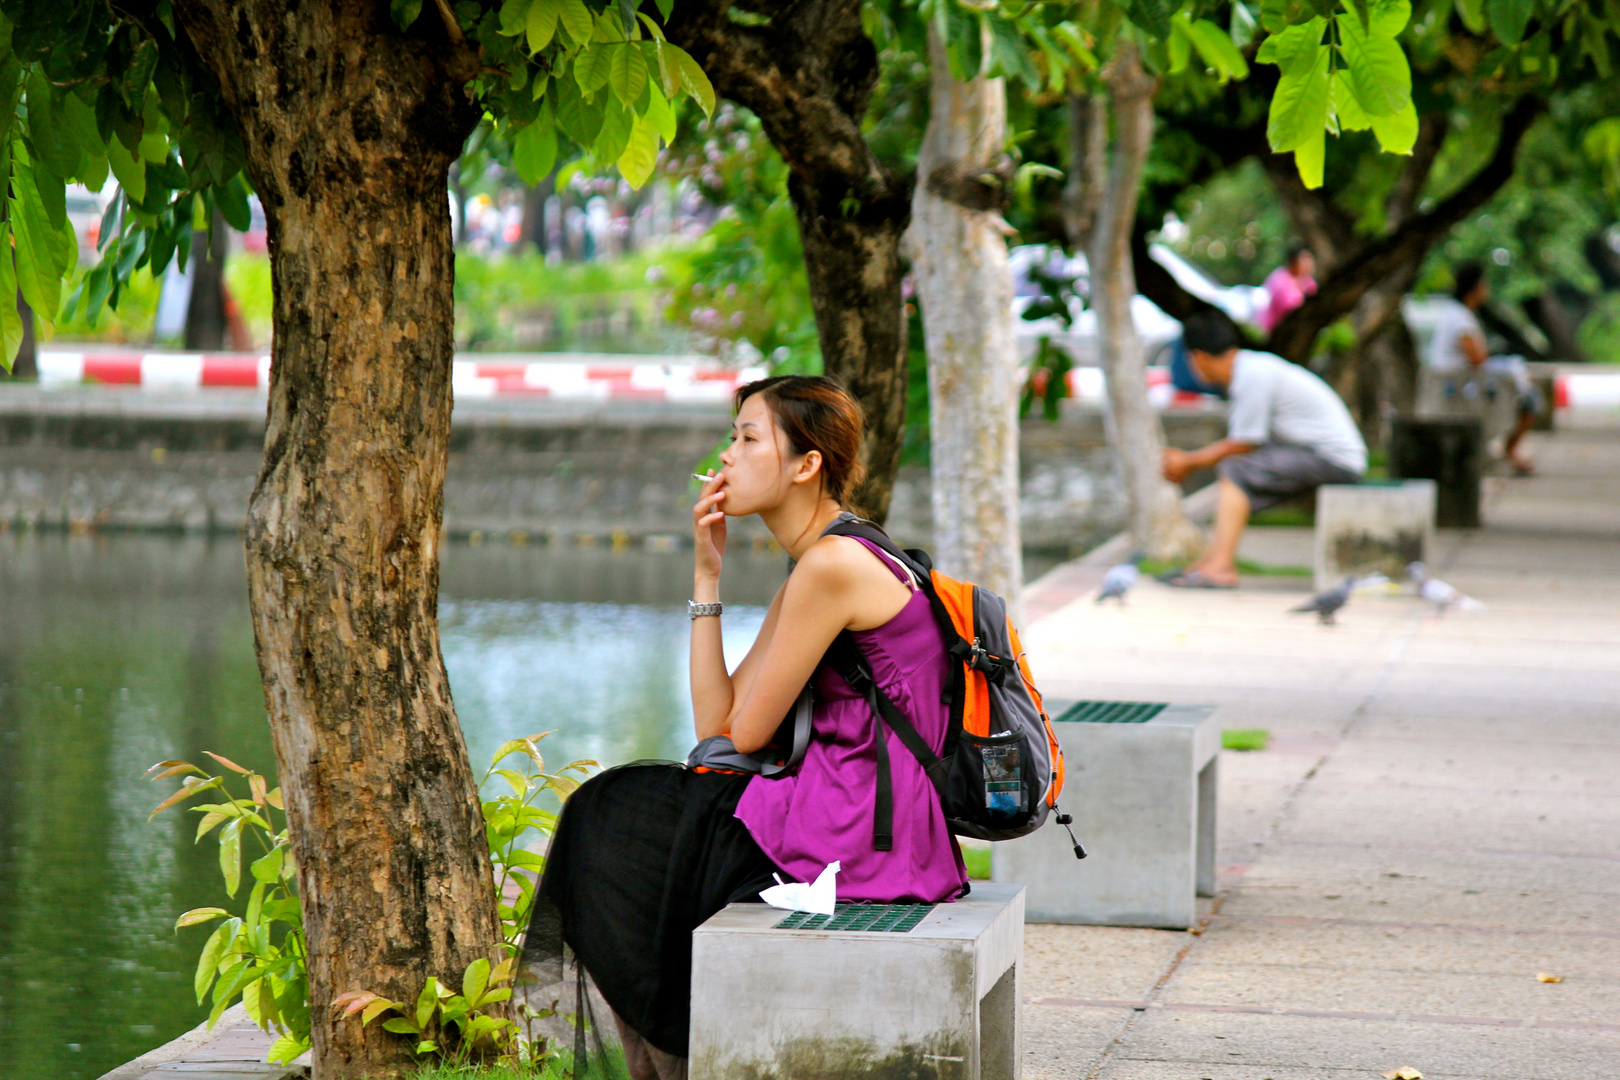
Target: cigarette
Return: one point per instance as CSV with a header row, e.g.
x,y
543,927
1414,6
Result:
x,y
701,478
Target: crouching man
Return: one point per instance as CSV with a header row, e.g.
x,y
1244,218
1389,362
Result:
x,y
1288,433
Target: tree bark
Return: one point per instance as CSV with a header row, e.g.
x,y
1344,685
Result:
x,y
205,311
1157,522
1087,178
347,121
533,230
958,249
808,73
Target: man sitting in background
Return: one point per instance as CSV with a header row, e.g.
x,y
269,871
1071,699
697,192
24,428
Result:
x,y
1458,346
1288,433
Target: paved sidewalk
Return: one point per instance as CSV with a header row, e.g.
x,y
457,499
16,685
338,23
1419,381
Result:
x,y
1436,822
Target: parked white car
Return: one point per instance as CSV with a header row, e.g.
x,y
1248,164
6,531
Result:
x,y
1156,329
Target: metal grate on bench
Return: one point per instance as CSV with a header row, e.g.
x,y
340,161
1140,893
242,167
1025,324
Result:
x,y
1110,712
878,918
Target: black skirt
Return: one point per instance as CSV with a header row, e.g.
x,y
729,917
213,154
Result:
x,y
642,856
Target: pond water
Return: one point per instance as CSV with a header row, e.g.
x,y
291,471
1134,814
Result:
x,y
120,651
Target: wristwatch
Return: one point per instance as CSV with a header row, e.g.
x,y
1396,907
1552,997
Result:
x,y
697,611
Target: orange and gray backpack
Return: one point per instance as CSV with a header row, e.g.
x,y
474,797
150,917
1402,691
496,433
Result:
x,y
1002,769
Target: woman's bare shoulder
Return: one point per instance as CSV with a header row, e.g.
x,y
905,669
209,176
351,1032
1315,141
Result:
x,y
841,561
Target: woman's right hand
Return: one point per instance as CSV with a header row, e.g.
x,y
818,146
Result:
x,y
709,529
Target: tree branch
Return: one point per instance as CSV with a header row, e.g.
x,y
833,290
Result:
x,y
1403,197
1340,291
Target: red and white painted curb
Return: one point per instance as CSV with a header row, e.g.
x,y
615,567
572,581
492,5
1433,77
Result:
x,y
600,378
608,377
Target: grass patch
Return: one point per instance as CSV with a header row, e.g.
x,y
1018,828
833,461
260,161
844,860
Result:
x,y
556,1069
1249,566
1245,739
1290,516
978,862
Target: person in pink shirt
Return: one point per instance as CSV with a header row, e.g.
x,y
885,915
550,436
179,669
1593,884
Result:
x,y
1289,285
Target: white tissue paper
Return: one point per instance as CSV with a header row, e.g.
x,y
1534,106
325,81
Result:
x,y
818,897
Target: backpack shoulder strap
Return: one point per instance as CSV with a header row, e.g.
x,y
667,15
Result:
x,y
846,657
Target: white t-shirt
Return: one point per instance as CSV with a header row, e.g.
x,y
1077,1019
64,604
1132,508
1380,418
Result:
x,y
1457,321
1275,401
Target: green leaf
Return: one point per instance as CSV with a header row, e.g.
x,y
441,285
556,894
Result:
x,y
1180,45
615,134
232,200
1509,18
1308,158
129,170
287,1048
199,915
1472,13
11,327
1389,17
1397,134
660,115
576,20
268,868
1347,114
695,82
400,1026
640,154
1379,74
426,1002
1363,11
1277,15
1299,104
514,17
1151,15
593,67
50,136
475,980
37,274
541,25
664,8
629,73
213,952
1218,51
582,120
404,12
230,856
426,1046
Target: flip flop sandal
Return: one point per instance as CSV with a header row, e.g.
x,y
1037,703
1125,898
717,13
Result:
x,y
1197,579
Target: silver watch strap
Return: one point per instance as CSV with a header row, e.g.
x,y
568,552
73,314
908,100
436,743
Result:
x,y
697,611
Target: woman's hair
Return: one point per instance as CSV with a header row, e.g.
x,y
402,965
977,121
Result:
x,y
815,413
1295,250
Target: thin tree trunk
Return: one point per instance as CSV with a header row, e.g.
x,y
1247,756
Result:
x,y
959,255
205,311
347,121
1157,522
532,233
1087,178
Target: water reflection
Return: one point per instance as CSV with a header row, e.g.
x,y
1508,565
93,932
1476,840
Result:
x,y
119,651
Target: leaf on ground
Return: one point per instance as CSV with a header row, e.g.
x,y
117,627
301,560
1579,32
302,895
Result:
x,y
1405,1072
1548,977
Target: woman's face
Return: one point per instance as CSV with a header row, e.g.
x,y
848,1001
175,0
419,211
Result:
x,y
758,467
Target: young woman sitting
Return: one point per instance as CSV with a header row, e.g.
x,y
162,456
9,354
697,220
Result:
x,y
645,853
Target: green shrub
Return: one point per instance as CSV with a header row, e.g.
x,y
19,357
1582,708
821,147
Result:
x,y
259,956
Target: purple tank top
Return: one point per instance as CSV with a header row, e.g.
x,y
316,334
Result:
x,y
824,811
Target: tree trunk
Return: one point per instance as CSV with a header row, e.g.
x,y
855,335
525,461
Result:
x,y
1157,522
26,365
205,312
350,129
958,249
532,233
808,73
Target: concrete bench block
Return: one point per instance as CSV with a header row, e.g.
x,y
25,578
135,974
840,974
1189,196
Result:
x,y
939,1001
1489,395
1376,527
1450,450
1143,800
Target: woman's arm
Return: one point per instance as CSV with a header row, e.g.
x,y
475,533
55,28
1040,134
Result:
x,y
837,585
713,691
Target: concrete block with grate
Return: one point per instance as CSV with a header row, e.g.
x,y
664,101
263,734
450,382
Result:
x,y
1141,779
915,990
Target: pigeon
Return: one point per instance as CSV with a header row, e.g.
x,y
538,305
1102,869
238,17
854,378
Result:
x,y
1326,604
1442,595
1119,579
